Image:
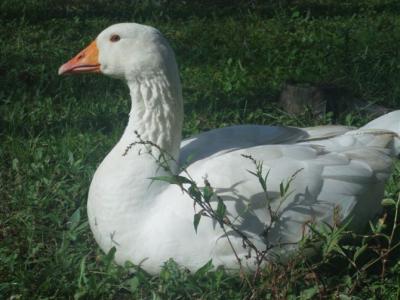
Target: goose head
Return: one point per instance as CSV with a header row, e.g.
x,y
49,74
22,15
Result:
x,y
143,58
127,51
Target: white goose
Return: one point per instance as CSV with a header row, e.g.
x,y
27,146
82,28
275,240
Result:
x,y
150,223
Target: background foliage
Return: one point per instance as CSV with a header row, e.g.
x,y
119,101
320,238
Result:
x,y
234,59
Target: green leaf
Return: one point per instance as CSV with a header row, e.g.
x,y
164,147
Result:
x,y
263,183
173,179
372,226
203,270
295,14
287,187
134,284
194,193
359,251
74,219
309,293
109,257
388,202
196,220
207,193
281,189
221,209
252,173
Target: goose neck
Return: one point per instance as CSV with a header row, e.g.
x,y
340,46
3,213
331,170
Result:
x,y
156,114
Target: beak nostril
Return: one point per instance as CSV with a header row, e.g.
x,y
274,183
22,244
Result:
x,y
85,61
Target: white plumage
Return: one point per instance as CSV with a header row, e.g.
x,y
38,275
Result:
x,y
338,168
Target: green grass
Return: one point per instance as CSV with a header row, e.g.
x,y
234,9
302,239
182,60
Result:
x,y
233,60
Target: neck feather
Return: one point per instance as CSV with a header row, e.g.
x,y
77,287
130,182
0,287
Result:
x,y
156,114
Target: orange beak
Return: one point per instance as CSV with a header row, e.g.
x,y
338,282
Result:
x,y
86,61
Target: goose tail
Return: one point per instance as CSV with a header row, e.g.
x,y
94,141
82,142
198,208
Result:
x,y
387,122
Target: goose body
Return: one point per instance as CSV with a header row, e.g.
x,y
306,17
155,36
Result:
x,y
338,168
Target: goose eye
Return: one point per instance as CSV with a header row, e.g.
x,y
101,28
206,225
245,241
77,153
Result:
x,y
115,38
